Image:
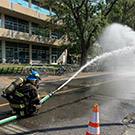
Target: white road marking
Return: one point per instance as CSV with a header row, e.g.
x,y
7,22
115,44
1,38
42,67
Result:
x,y
13,129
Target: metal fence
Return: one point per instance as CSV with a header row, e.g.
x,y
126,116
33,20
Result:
x,y
12,70
43,70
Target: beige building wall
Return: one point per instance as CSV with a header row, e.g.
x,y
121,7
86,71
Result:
x,y
29,3
63,57
2,20
50,55
3,52
18,11
30,24
30,53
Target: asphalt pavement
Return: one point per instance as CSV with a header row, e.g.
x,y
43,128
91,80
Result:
x,y
5,80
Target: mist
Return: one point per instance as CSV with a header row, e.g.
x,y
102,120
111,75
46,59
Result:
x,y
113,37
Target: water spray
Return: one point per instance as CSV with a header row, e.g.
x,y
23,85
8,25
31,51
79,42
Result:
x,y
120,52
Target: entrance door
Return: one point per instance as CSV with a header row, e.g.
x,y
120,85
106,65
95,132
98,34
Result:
x,y
54,58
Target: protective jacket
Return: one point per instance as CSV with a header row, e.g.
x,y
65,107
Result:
x,y
24,98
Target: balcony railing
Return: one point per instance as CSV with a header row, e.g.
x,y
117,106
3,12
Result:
x,y
5,33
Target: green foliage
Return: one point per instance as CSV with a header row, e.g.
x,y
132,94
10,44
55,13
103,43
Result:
x,y
79,19
82,20
75,49
123,13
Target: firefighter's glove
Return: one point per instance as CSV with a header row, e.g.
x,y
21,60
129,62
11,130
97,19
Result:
x,y
4,95
38,107
37,86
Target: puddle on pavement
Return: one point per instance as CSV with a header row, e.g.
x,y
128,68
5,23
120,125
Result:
x,y
55,109
94,80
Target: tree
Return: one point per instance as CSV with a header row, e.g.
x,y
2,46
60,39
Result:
x,y
81,20
123,13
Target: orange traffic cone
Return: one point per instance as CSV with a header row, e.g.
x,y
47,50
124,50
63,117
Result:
x,y
93,128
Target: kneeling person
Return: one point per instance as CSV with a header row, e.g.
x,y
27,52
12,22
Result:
x,y
23,96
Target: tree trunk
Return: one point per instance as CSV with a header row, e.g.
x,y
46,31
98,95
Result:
x,y
84,56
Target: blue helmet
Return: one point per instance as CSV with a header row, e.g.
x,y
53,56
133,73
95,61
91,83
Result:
x,y
34,75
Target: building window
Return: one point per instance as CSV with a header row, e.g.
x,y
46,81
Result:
x,y
56,34
40,54
16,24
21,2
35,5
54,55
17,53
40,7
37,30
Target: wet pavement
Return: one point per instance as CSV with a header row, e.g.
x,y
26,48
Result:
x,y
69,112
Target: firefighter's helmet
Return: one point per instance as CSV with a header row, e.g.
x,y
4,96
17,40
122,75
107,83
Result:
x,y
33,76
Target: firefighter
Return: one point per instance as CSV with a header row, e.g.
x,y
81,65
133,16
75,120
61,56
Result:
x,y
23,96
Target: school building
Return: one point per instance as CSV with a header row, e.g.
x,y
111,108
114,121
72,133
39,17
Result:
x,y
24,35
